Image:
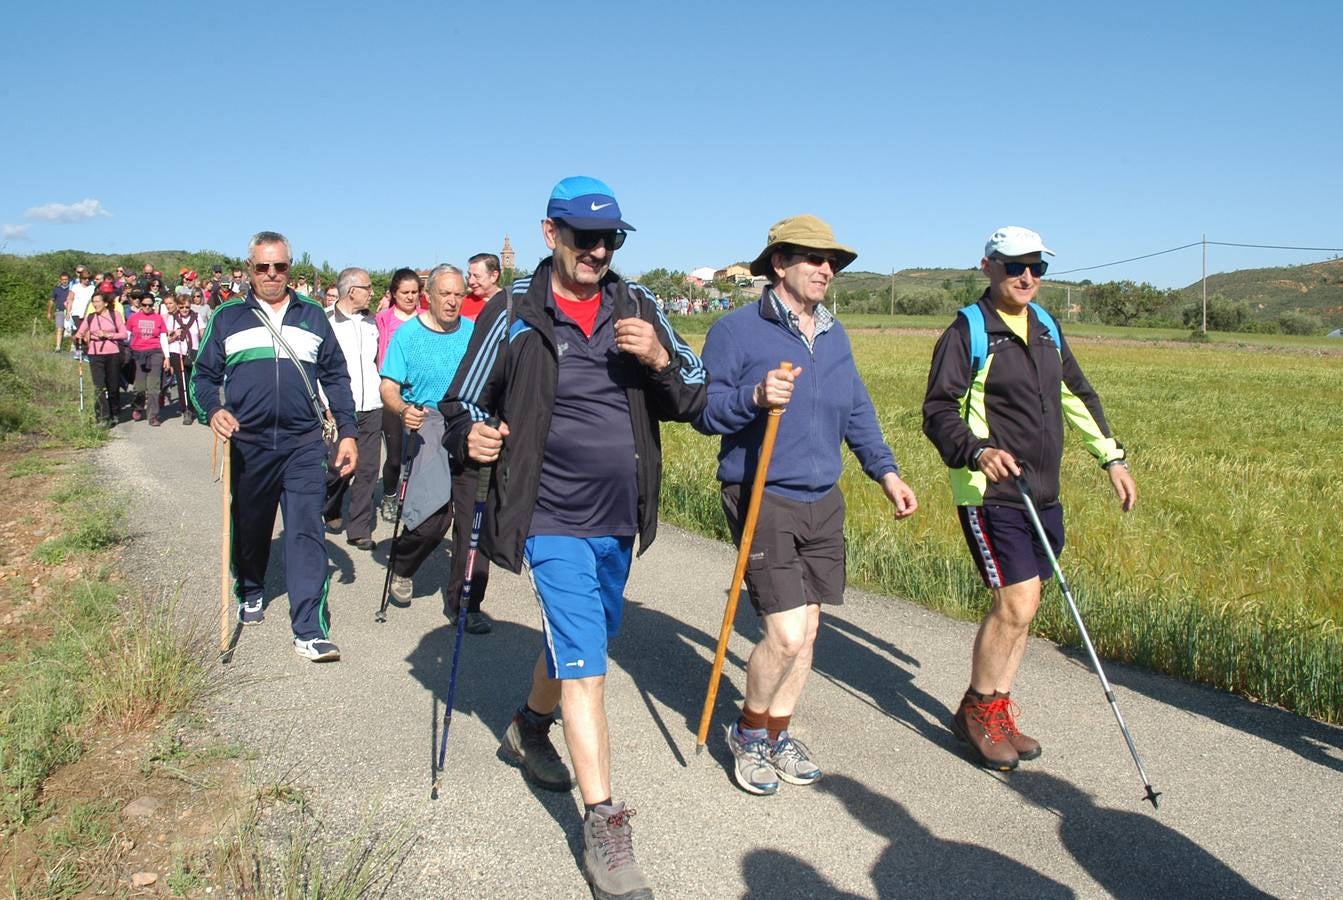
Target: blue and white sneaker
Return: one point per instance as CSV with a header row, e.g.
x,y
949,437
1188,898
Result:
x,y
753,770
792,760
251,612
317,650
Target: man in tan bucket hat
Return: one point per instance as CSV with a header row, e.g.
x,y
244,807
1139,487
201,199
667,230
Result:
x,y
797,554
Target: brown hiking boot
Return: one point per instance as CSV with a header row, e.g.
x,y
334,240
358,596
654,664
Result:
x,y
1027,747
983,725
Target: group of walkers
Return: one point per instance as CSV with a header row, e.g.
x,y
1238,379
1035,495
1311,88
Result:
x,y
554,392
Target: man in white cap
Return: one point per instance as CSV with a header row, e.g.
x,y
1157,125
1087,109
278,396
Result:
x,y
1002,383
797,555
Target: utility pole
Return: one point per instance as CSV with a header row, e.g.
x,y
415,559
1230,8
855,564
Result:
x,y
1205,283
892,291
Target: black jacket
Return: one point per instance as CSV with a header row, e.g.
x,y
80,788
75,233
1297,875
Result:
x,y
1017,402
509,371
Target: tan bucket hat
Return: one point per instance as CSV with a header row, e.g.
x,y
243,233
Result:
x,y
801,231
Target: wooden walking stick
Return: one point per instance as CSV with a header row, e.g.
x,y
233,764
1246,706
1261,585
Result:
x,y
738,573
225,550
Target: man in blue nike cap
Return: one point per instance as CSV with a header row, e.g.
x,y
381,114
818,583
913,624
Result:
x,y
580,367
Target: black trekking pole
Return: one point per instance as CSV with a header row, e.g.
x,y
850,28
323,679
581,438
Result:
x,y
477,519
1086,638
407,461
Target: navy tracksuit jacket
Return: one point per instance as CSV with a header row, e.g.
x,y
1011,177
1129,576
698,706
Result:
x,y
278,456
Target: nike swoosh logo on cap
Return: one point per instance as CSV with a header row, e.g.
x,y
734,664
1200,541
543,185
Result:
x,y
596,207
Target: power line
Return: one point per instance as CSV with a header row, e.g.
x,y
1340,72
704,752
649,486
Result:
x,y
1130,259
1119,262
1278,247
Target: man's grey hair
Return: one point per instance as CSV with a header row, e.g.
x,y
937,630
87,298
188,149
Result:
x,y
346,279
269,237
438,272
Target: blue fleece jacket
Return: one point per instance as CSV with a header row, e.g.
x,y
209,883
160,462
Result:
x,y
830,404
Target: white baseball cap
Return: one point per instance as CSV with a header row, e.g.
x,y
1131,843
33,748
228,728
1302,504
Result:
x,y
1013,240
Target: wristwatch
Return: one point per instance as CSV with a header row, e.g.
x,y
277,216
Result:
x,y
974,458
1115,462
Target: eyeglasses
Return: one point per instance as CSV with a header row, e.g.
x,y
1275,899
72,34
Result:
x,y
278,268
362,287
588,240
1013,268
816,259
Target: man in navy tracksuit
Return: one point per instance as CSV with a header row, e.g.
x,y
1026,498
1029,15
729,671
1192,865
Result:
x,y
248,386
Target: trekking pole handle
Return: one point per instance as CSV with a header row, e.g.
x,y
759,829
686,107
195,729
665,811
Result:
x,y
483,481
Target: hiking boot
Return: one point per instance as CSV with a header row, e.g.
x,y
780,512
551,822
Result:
x,y
983,725
753,770
608,855
1027,747
792,760
251,612
402,588
388,510
478,623
335,526
136,415
155,421
317,650
527,745
363,543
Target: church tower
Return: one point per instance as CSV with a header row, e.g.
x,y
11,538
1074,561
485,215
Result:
x,y
506,255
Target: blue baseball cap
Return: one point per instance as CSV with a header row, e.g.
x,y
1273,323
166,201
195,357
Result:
x,y
585,204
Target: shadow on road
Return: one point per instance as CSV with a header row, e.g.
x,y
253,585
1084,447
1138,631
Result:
x,y
1130,854
915,862
493,679
1313,741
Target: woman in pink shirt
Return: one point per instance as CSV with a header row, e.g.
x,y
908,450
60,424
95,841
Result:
x,y
102,331
405,290
146,327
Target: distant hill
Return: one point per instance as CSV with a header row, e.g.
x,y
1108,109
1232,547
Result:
x,y
1315,288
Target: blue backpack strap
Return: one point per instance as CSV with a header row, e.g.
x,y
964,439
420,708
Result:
x,y
979,335
1050,325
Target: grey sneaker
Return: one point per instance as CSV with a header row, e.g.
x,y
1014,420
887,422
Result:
x,y
251,612
527,746
388,511
317,650
754,771
478,623
792,760
402,588
608,855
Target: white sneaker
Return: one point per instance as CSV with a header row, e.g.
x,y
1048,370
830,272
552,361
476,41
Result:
x,y
403,588
317,650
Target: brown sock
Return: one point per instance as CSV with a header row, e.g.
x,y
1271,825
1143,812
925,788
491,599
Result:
x,y
751,719
777,725
977,696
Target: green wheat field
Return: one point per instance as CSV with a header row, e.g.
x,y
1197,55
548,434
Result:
x,y
1228,572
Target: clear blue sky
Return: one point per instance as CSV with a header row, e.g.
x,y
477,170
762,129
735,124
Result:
x,y
412,133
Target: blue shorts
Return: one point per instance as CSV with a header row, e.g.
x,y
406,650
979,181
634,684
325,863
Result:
x,y
580,585
1003,542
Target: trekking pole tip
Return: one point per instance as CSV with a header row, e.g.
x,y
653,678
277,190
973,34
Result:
x,y
1152,795
699,748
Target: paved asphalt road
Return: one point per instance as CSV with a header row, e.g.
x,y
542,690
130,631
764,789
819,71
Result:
x,y
1252,804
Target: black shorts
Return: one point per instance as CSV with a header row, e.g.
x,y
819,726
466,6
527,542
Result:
x,y
1004,544
797,554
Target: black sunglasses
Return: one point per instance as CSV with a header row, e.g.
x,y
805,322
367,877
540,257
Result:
x,y
278,268
1014,268
816,259
588,240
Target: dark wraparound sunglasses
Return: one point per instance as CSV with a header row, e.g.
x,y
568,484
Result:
x,y
816,259
278,268
1014,269
588,240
